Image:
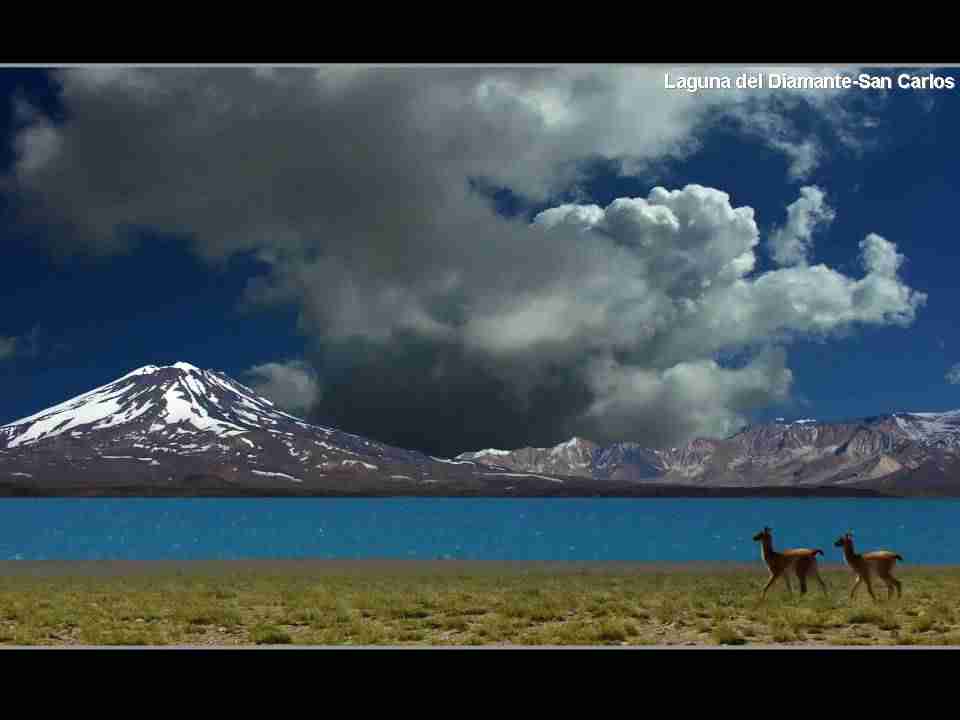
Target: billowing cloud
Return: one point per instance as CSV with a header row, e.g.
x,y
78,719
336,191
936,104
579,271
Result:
x,y
695,398
298,158
676,290
293,385
37,148
792,243
623,311
37,144
769,118
777,132
953,374
435,322
880,257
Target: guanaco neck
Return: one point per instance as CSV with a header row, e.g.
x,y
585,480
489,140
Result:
x,y
766,550
852,558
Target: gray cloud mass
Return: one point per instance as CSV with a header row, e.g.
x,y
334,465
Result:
x,y
293,384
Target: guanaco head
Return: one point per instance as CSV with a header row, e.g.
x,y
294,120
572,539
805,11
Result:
x,y
762,535
844,540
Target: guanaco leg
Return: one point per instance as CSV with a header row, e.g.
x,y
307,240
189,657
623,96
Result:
x,y
823,585
861,578
807,569
891,583
773,579
802,579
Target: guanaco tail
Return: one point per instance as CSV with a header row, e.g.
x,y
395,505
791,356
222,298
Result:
x,y
802,561
879,563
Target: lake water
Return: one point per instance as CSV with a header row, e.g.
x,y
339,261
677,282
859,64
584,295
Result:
x,y
923,531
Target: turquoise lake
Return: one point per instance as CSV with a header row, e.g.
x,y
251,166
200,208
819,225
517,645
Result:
x,y
668,530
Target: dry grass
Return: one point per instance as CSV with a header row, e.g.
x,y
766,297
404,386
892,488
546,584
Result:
x,y
521,606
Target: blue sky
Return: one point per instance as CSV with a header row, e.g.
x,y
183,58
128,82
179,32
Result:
x,y
83,307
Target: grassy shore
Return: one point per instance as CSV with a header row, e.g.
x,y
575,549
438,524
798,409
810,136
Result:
x,y
246,603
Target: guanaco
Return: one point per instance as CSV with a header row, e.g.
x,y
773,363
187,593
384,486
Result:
x,y
879,563
803,561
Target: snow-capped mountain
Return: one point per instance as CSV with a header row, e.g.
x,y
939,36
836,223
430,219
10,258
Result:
x,y
902,453
177,428
154,404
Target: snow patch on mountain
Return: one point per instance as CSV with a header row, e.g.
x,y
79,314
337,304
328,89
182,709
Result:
x,y
506,474
452,462
265,473
931,429
90,408
367,466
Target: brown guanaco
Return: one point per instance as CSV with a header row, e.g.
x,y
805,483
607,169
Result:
x,y
802,561
879,563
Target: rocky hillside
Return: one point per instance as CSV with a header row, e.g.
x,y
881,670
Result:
x,y
902,453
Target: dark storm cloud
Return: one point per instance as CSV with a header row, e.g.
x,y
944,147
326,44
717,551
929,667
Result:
x,y
437,397
433,321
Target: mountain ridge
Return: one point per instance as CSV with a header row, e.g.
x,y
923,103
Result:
x,y
897,453
178,429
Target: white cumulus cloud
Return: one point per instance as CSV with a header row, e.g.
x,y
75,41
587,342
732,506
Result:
x,y
792,243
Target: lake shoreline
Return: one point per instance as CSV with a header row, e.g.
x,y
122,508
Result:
x,y
377,567
639,491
